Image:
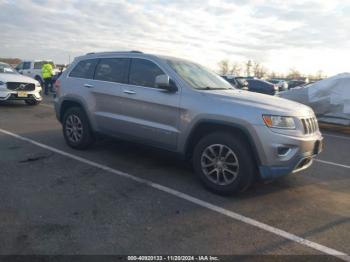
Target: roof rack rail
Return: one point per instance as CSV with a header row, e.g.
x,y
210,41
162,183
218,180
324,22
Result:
x,y
117,52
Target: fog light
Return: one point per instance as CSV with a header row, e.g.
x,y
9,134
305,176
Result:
x,y
282,151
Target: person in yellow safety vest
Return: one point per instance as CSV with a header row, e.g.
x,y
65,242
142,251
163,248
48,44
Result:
x,y
47,73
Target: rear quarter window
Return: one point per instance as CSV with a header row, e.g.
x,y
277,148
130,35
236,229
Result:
x,y
84,69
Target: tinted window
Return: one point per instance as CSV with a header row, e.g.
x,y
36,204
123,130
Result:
x,y
84,69
38,65
112,70
26,65
144,73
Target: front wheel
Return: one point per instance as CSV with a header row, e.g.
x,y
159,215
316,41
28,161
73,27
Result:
x,y
224,163
76,128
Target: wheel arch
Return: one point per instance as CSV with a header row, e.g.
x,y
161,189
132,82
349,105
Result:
x,y
206,127
68,103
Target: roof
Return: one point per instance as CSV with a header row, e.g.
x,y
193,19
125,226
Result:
x,y
133,52
114,52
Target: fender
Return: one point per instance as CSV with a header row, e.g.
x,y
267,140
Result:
x,y
231,125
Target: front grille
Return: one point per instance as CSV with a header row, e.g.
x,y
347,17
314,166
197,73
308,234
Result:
x,y
310,125
19,86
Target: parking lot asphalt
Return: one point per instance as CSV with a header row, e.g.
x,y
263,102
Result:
x,y
55,204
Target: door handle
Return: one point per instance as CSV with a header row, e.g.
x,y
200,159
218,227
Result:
x,y
88,86
129,92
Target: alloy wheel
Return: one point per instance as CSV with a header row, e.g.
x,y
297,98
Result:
x,y
74,128
219,164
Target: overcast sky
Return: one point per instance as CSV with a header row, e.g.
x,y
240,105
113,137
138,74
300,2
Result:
x,y
307,35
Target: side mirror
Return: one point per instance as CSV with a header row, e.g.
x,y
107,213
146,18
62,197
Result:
x,y
164,82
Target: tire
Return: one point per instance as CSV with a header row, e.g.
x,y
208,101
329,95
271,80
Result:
x,y
233,175
32,102
76,119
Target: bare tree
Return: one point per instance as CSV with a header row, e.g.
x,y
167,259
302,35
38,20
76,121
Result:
x,y
236,69
320,75
248,67
223,67
294,74
11,61
273,75
259,70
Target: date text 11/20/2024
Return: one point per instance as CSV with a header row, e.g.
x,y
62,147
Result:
x,y
173,258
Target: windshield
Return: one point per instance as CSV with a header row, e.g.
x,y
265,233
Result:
x,y
6,69
197,76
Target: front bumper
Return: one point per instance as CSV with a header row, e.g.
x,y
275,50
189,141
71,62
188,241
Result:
x,y
286,154
13,95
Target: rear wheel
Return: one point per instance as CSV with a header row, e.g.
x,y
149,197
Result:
x,y
76,128
224,163
32,102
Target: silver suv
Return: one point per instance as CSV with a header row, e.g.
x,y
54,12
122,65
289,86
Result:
x,y
232,136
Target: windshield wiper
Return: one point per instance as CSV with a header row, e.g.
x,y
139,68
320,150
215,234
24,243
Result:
x,y
212,88
205,88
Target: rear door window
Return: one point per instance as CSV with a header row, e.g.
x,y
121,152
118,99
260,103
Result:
x,y
84,69
112,70
143,72
38,65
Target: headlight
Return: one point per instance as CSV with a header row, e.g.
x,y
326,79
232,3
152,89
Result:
x,y
284,122
37,84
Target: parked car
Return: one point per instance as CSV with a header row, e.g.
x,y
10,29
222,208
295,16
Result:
x,y
231,136
329,98
14,86
261,86
236,82
282,85
33,69
295,83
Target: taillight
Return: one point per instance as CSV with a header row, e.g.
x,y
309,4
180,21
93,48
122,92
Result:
x,y
57,86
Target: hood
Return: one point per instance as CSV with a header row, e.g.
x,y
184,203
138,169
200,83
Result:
x,y
16,78
262,101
